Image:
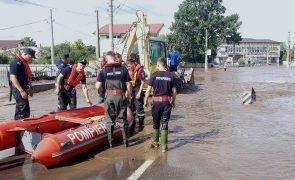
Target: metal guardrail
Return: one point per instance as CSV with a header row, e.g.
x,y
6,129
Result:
x,y
40,71
202,65
4,77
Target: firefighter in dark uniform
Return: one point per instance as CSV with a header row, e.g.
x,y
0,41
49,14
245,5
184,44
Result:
x,y
164,96
20,77
101,90
137,76
116,79
67,80
63,62
120,60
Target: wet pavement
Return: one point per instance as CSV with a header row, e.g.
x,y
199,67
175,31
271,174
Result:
x,y
211,134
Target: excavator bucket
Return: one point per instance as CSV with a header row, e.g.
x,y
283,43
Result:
x,y
184,78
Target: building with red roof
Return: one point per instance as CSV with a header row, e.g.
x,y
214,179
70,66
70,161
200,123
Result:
x,y
9,44
120,29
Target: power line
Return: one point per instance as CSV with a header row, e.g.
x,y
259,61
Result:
x,y
119,7
34,4
72,29
102,17
144,9
27,24
65,11
78,13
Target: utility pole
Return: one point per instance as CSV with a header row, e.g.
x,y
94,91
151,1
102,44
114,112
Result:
x,y
97,37
111,25
288,50
206,49
52,39
267,54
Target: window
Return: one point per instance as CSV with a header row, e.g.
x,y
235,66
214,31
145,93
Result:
x,y
157,49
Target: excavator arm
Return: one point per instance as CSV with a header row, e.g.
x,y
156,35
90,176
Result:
x,y
138,32
149,50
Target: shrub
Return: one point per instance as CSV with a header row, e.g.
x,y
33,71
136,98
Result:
x,y
241,61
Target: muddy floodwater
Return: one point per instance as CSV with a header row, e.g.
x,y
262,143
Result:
x,y
212,135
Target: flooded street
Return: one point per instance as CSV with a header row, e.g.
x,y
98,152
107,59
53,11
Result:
x,y
240,141
212,135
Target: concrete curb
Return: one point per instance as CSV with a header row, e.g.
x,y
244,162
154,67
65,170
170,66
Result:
x,y
43,87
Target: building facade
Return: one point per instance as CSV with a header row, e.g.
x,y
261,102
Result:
x,y
7,46
261,51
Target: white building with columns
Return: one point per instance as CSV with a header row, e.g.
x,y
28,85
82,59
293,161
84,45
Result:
x,y
262,51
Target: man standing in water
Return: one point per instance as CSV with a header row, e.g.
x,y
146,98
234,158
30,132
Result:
x,y
173,56
101,90
164,97
116,81
137,76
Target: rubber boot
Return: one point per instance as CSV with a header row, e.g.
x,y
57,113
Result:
x,y
155,138
140,123
132,128
164,140
125,136
110,132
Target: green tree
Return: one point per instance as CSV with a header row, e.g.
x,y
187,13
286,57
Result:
x,y
60,48
234,39
27,41
44,56
191,21
5,59
78,44
283,52
77,50
164,37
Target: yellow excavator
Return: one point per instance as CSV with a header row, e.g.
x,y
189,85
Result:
x,y
139,45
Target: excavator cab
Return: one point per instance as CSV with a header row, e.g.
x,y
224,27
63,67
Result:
x,y
157,49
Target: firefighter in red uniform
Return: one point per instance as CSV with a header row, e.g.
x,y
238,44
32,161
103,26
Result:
x,y
66,82
164,96
137,76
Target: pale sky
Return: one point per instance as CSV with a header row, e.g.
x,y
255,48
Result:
x,y
75,19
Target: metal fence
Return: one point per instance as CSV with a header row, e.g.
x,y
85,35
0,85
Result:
x,y
4,77
202,65
40,72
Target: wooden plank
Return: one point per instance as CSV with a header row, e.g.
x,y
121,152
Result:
x,y
96,118
74,120
17,129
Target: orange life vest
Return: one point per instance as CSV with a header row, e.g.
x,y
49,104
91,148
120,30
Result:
x,y
73,80
134,74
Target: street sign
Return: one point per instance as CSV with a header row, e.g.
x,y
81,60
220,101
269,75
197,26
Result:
x,y
208,52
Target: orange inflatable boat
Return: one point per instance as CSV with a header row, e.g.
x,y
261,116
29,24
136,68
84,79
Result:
x,y
54,138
